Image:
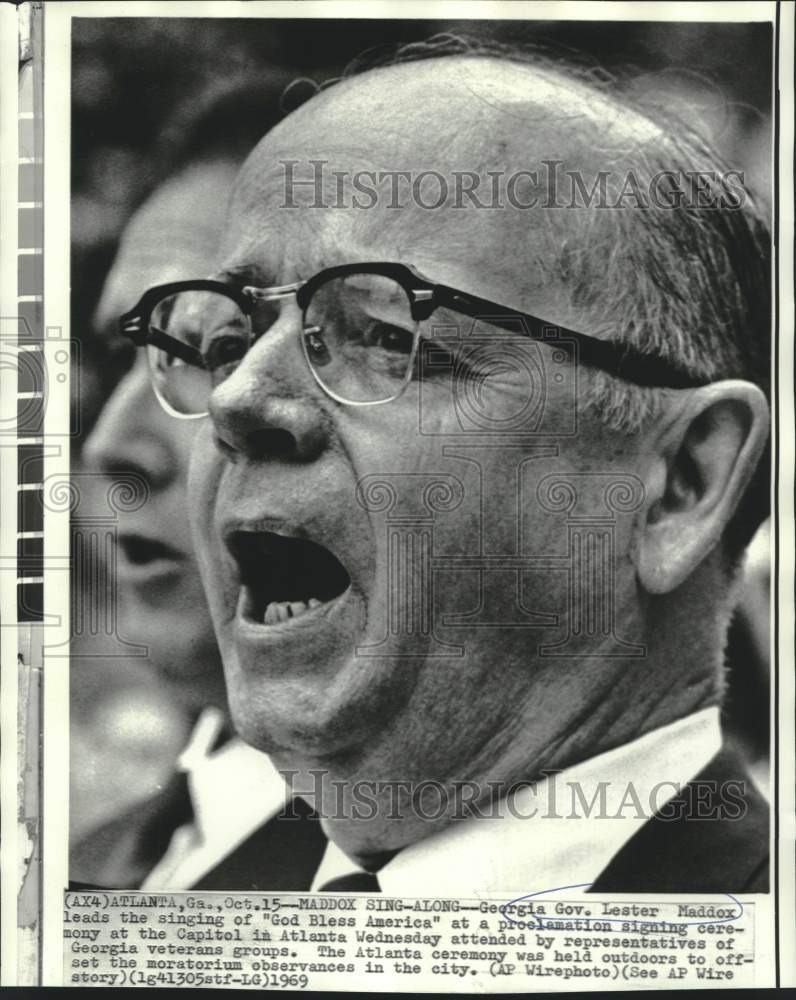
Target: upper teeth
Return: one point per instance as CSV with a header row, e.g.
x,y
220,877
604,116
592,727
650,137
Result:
x,y
281,611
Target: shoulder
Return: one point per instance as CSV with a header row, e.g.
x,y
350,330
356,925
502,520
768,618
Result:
x,y
712,837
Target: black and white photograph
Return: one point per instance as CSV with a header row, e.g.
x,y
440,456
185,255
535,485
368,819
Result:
x,y
432,645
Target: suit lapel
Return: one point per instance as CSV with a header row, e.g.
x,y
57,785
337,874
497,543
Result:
x,y
713,837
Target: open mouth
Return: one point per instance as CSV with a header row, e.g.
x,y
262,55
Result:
x,y
284,578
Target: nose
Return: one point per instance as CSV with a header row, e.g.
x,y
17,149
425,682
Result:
x,y
270,407
132,433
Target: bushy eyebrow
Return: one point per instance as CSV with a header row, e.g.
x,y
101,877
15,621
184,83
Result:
x,y
245,274
262,276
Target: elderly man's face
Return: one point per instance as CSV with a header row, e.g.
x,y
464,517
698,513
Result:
x,y
409,653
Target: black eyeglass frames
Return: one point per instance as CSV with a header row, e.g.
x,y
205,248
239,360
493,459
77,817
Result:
x,y
359,335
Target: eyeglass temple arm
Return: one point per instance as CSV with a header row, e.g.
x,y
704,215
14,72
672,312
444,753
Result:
x,y
170,345
617,359
131,327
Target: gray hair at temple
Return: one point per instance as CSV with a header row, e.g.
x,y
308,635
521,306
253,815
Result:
x,y
692,283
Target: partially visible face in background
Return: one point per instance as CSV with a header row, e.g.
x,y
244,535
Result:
x,y
161,602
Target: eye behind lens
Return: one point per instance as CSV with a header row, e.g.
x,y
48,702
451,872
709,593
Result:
x,y
201,337
224,353
393,339
359,337
317,351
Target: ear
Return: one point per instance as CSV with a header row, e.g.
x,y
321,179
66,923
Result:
x,y
701,465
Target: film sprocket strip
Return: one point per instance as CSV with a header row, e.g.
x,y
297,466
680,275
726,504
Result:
x,y
31,373
27,346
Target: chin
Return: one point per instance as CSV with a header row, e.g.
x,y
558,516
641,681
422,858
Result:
x,y
337,710
291,739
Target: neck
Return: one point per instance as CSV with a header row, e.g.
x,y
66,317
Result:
x,y
371,815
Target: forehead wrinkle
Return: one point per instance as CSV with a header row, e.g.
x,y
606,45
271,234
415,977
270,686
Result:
x,y
441,134
559,99
270,263
478,86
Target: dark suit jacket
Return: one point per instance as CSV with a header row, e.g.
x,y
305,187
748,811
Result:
x,y
713,837
716,842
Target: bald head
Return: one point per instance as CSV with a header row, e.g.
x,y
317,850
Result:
x,y
602,218
460,112
441,159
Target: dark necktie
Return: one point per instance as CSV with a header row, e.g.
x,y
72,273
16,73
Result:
x,y
281,855
354,882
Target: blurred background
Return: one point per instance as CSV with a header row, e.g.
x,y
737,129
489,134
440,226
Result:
x,y
135,85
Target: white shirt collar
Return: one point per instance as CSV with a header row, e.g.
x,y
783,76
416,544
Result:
x,y
552,839
234,790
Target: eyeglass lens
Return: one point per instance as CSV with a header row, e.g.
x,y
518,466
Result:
x,y
358,336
